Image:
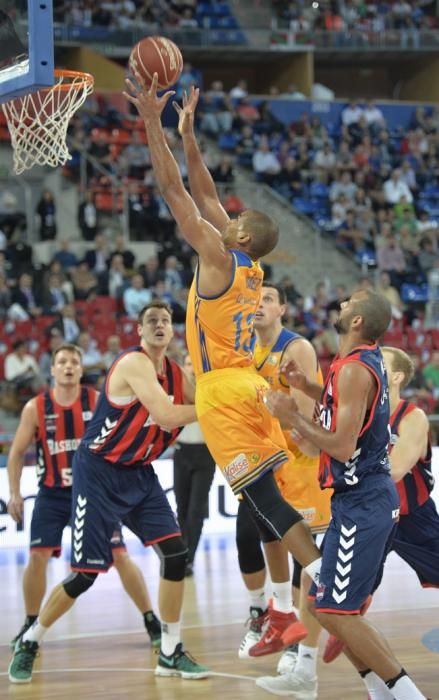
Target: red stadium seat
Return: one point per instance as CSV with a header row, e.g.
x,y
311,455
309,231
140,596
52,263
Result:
x,y
394,338
103,326
81,307
419,338
42,323
20,329
435,338
102,305
120,136
127,325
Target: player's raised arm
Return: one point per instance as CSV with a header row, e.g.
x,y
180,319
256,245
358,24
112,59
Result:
x,y
201,183
138,372
23,439
201,235
411,444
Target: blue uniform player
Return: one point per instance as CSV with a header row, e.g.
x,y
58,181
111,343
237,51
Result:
x,y
352,436
137,416
417,534
416,538
56,420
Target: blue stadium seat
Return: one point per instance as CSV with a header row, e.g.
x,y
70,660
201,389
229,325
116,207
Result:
x,y
319,189
227,142
414,292
305,206
366,257
430,191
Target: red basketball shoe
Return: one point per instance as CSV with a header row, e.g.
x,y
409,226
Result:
x,y
282,630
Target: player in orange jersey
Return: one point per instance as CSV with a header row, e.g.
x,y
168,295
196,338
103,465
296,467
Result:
x,y
298,483
246,443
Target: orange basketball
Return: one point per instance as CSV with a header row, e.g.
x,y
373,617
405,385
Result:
x,y
156,54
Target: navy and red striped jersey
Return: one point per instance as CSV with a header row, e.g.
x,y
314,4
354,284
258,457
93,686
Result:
x,y
60,430
370,455
415,488
126,434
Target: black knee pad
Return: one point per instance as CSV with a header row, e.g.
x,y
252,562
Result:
x,y
78,582
269,507
173,558
248,541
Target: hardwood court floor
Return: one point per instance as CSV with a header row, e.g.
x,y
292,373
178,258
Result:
x,y
99,649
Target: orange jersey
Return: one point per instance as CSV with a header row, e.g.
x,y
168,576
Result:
x,y
297,479
219,329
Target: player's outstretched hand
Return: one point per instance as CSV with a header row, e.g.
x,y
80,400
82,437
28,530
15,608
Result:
x,y
147,102
15,508
282,406
186,113
293,375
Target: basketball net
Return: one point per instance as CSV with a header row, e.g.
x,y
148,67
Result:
x,y
38,122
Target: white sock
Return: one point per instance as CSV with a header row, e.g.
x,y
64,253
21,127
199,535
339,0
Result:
x,y
283,597
171,636
405,689
35,633
313,569
258,599
376,687
306,664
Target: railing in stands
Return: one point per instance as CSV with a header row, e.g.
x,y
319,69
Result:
x,y
280,36
357,39
117,186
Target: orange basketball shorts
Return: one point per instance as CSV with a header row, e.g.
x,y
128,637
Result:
x,y
242,436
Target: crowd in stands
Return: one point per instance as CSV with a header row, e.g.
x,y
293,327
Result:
x,y
130,14
355,15
94,301
372,189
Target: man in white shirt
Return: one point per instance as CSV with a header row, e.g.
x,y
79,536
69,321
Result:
x,y
265,163
351,114
136,296
374,115
325,157
395,188
21,368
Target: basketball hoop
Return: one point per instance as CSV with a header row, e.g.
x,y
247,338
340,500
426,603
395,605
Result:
x,y
38,122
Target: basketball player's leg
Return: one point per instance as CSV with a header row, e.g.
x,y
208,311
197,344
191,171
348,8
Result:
x,y
202,473
284,521
252,567
362,524
255,446
94,519
416,541
154,523
51,514
135,585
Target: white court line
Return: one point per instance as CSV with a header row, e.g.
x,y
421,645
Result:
x,y
133,670
118,633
